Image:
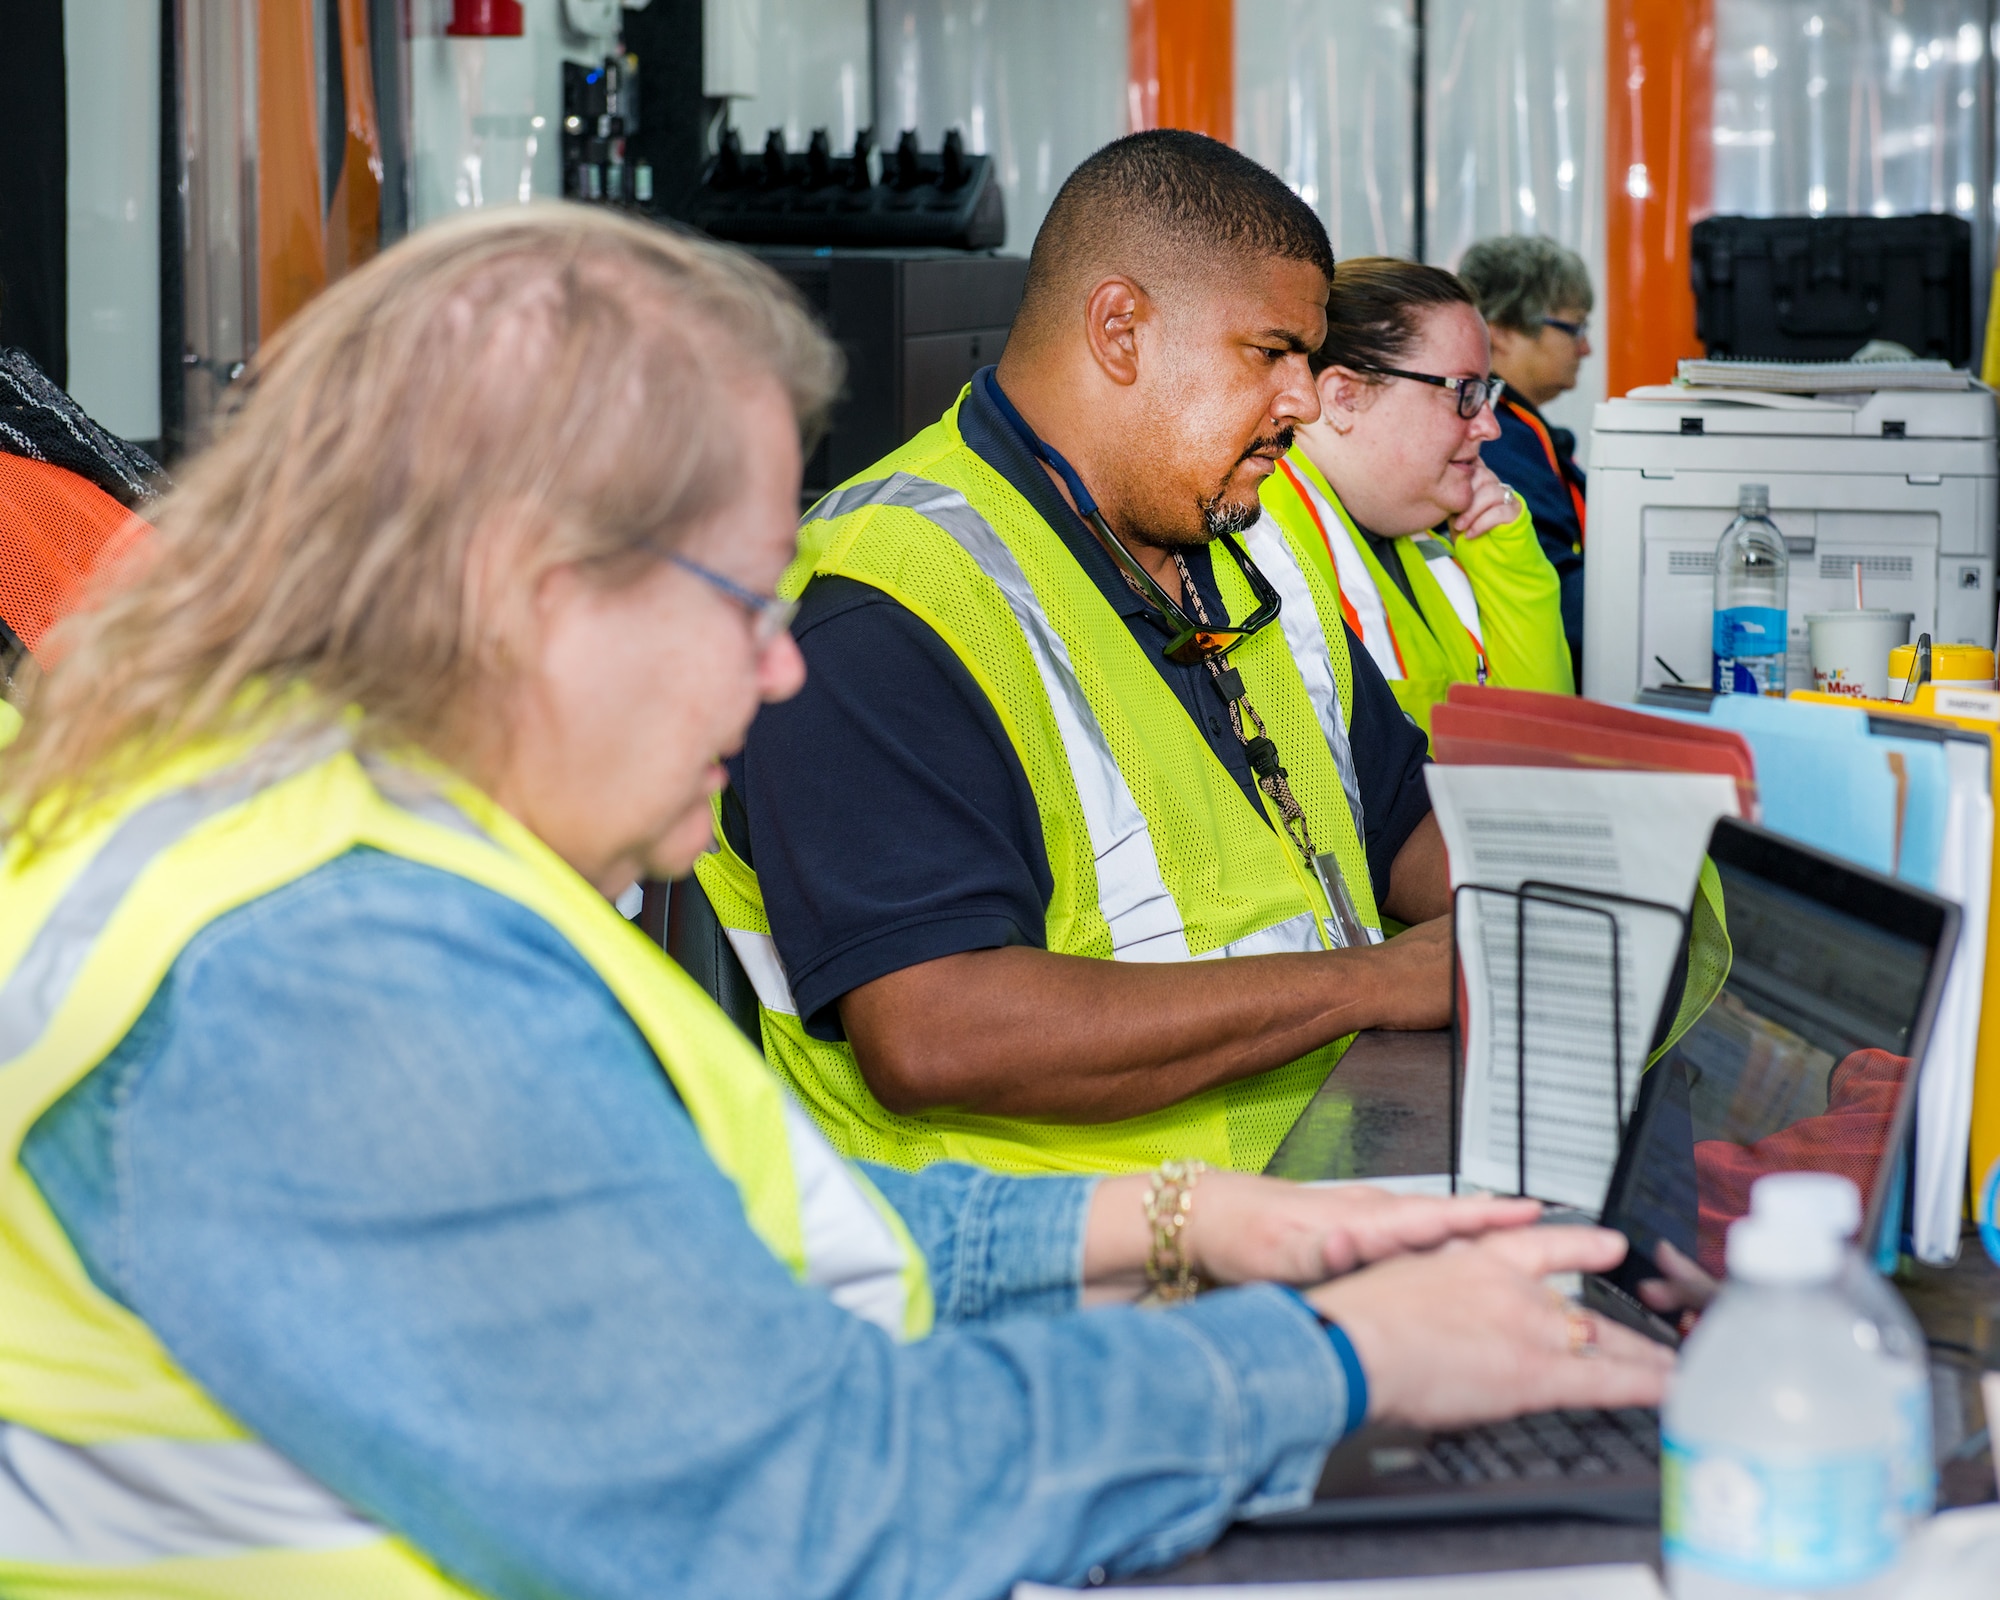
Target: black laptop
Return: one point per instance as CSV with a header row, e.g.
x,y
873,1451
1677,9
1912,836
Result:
x,y
1807,1060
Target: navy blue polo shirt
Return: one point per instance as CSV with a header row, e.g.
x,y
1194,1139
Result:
x,y
884,809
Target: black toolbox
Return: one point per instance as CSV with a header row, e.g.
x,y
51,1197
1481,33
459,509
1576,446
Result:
x,y
1819,288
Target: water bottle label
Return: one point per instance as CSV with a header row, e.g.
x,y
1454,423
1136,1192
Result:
x,y
1749,631
1989,1212
1777,1523
1916,1476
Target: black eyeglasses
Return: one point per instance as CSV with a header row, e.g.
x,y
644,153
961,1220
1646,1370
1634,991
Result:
x,y
1192,642
1576,330
1473,394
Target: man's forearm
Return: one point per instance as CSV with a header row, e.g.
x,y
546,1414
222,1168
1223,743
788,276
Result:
x,y
1027,1033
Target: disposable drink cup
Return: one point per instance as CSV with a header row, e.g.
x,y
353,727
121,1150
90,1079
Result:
x,y
1953,666
1850,650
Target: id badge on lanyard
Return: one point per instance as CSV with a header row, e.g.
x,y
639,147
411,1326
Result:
x,y
1345,927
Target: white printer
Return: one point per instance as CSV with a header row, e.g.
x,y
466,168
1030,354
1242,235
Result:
x,y
1902,481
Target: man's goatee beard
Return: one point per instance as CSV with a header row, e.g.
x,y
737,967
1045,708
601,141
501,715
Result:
x,y
1221,516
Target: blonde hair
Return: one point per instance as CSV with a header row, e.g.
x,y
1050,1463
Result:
x,y
492,398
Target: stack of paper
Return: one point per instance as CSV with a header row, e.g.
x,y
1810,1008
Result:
x,y
1823,377
1616,807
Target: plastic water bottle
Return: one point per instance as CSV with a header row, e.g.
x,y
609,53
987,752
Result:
x,y
1749,639
1780,1433
1824,1200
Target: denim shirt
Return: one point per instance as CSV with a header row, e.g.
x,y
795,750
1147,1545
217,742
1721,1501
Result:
x,y
392,1176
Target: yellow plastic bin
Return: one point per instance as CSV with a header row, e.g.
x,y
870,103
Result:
x,y
1953,666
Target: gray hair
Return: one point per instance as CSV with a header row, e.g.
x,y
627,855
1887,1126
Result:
x,y
1522,278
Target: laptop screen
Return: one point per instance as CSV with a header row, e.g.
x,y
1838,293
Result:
x,y
1804,1061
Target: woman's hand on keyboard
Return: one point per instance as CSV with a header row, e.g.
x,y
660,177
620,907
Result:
x,y
1471,1332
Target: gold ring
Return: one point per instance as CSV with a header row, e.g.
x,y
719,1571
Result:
x,y
1582,1335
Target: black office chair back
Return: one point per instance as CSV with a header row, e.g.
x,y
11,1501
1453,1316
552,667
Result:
x,y
694,938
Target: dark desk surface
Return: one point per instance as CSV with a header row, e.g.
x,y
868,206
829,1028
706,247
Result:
x,y
1384,1112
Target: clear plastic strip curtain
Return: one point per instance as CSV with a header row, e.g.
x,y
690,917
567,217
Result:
x,y
1324,93
1858,108
1327,95
1848,110
1036,84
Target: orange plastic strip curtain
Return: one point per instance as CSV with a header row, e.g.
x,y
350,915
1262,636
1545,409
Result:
x,y
354,219
291,220
1658,146
1182,66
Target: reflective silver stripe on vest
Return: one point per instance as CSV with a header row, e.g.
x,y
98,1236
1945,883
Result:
x,y
762,965
140,1500
419,795
1451,578
1145,923
1300,619
1294,933
851,1251
36,988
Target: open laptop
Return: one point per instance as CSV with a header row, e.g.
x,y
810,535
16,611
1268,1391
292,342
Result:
x,y
1807,1060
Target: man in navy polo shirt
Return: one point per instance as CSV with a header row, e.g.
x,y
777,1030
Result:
x,y
1159,365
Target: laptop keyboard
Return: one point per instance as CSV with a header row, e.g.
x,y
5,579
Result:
x,y
1573,1445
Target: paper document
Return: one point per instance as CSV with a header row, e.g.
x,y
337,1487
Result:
x,y
1944,1090
1624,1582
1637,835
1822,377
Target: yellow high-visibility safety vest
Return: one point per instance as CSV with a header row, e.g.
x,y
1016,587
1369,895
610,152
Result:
x,y
1154,851
124,1477
1489,610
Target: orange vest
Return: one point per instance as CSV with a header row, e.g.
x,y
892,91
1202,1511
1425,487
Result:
x,y
57,531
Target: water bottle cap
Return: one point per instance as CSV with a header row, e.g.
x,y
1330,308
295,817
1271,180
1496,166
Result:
x,y
1753,499
1780,1253
1809,1200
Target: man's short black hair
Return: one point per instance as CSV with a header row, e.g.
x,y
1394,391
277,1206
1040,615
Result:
x,y
1171,196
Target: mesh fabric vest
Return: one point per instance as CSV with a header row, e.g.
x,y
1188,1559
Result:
x,y
1154,851
1432,643
125,1477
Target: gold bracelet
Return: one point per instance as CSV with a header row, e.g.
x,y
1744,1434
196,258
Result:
x,y
1169,1205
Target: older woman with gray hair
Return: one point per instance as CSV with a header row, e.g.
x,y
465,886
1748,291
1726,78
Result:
x,y
382,1214
1536,299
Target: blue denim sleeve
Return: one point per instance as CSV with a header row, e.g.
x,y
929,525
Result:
x,y
997,1246
390,1173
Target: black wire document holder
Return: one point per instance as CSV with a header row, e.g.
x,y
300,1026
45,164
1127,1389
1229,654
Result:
x,y
1578,901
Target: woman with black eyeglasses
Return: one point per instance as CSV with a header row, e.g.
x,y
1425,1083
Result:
x,y
1536,299
1441,575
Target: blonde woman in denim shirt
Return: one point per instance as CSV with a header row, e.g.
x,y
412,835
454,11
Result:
x,y
374,1239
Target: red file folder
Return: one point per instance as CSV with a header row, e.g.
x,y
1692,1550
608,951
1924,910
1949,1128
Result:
x,y
1479,725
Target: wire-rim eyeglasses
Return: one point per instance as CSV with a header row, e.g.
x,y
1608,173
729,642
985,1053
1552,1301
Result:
x,y
770,614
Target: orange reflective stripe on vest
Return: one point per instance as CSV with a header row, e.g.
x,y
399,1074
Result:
x,y
1541,432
